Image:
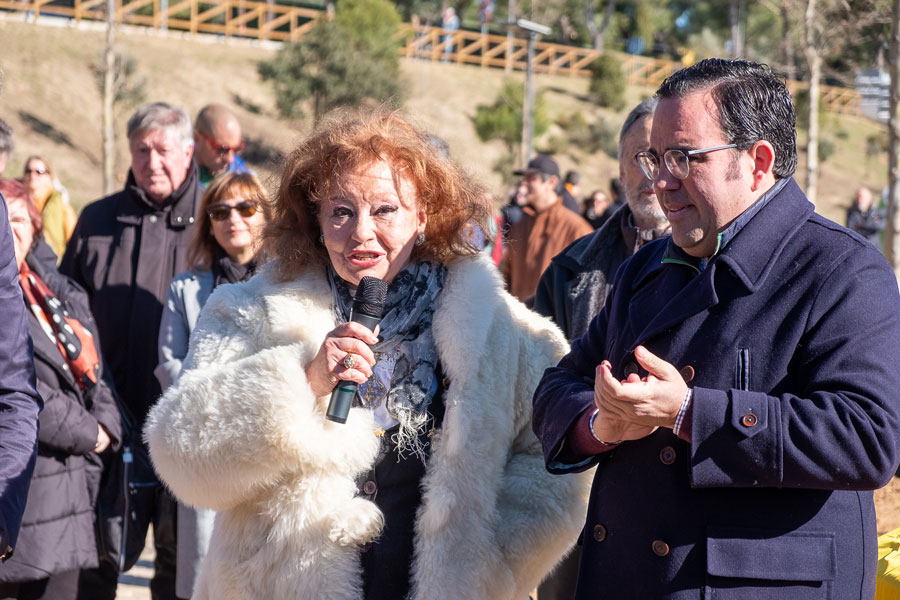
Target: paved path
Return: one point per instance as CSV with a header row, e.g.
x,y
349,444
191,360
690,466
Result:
x,y
135,584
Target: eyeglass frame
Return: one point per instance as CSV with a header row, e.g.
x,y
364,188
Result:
x,y
240,207
221,149
687,154
41,171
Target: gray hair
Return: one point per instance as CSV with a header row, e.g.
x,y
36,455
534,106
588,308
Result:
x,y
641,110
6,139
159,115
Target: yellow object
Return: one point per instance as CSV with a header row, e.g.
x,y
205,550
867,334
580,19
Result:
x,y
887,583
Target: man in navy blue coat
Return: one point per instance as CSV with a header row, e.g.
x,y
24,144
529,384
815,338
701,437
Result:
x,y
739,391
19,400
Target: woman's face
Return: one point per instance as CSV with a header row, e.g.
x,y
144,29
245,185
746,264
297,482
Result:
x,y
22,229
37,179
370,223
238,232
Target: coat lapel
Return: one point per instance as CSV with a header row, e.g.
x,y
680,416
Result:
x,y
667,294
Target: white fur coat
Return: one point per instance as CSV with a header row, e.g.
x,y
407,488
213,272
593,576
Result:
x,y
241,433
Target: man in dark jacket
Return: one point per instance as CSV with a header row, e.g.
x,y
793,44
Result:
x,y
865,219
125,250
738,390
573,289
19,400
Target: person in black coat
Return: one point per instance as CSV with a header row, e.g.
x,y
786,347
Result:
x,y
738,391
125,250
866,219
79,422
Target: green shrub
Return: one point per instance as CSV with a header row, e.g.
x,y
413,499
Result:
x,y
607,87
590,137
556,144
826,149
502,120
346,61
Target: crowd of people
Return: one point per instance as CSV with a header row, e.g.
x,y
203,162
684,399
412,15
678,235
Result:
x,y
679,388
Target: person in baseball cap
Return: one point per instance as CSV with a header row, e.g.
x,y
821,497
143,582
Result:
x,y
546,228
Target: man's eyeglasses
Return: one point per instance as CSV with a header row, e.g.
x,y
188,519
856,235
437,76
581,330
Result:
x,y
677,161
221,212
38,171
220,149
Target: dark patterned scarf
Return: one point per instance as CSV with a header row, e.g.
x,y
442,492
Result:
x,y
226,270
404,379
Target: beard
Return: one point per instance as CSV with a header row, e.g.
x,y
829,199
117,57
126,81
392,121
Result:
x,y
647,212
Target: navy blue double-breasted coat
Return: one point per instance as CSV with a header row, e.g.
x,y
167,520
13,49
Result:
x,y
792,333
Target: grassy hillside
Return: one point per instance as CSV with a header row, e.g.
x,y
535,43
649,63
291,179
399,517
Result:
x,y
51,99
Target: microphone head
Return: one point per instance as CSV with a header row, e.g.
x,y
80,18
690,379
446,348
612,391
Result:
x,y
371,294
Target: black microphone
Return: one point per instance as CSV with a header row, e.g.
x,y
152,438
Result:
x,y
367,308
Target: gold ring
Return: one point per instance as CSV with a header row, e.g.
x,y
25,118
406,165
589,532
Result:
x,y
348,361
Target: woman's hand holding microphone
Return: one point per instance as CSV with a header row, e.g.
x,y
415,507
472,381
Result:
x,y
331,364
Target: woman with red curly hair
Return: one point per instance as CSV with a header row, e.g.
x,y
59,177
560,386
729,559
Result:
x,y
435,485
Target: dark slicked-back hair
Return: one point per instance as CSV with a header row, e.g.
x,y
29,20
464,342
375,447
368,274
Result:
x,y
754,104
348,140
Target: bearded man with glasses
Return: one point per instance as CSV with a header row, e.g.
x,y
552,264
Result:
x,y
738,390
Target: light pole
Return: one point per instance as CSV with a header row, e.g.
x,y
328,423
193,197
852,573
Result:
x,y
533,30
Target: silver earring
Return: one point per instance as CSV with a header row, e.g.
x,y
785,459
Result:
x,y
322,238
420,239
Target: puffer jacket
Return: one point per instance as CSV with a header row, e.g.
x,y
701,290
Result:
x,y
57,531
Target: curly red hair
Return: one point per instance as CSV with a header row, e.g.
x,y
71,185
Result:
x,y
346,141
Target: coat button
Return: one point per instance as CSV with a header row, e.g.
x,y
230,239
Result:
x,y
599,533
749,420
687,373
153,218
667,455
660,548
631,369
445,383
369,487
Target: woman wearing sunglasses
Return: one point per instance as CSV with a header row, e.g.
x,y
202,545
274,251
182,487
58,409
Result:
x,y
58,215
224,250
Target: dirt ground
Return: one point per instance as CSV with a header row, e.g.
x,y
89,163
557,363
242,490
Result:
x,y
135,584
887,506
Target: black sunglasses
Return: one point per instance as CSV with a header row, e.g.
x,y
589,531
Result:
x,y
220,212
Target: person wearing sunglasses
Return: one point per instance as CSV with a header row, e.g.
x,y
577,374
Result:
x,y
57,214
738,391
224,250
218,143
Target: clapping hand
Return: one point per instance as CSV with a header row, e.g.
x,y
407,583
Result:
x,y
634,407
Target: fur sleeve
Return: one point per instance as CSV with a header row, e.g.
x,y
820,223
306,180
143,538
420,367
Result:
x,y
493,520
549,508
242,415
